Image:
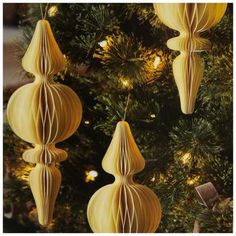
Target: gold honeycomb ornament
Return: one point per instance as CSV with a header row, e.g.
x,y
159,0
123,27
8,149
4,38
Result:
x,y
123,206
190,19
44,113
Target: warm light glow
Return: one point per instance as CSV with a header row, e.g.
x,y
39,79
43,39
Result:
x,y
156,62
186,158
153,179
90,175
153,116
52,11
87,122
125,83
23,174
103,43
162,178
193,180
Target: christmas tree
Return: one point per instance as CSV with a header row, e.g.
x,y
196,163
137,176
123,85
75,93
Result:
x,y
116,51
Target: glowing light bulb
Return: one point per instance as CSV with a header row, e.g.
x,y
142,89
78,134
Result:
x,y
153,179
156,62
90,175
186,158
153,115
23,174
52,11
93,173
87,122
125,83
192,181
103,43
161,178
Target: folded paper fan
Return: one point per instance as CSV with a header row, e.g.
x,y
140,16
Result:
x,y
44,113
124,206
190,19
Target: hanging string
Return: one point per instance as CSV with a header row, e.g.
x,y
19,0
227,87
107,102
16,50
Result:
x,y
126,107
46,10
41,9
43,15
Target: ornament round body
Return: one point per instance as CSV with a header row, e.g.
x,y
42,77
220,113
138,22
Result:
x,y
124,208
44,112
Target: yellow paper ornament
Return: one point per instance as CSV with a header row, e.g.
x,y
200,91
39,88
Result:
x,y
44,113
190,19
124,206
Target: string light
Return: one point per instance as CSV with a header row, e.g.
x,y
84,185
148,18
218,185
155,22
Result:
x,y
153,115
192,180
186,158
87,122
162,178
103,43
52,11
23,174
156,62
153,179
125,83
90,175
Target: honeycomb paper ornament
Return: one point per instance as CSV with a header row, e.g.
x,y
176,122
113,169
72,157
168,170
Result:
x,y
44,113
123,206
190,19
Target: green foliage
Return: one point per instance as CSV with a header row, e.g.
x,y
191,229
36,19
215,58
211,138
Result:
x,y
216,222
195,136
123,57
219,171
143,12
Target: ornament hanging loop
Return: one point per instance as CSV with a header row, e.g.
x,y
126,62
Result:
x,y
43,15
126,106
